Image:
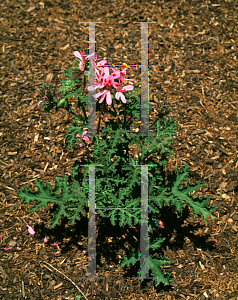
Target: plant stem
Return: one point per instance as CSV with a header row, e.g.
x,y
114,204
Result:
x,y
85,116
87,149
84,82
99,121
114,109
124,123
117,114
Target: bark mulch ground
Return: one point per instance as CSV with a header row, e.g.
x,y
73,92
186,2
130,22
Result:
x,y
193,65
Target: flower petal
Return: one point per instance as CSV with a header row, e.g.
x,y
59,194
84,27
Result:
x,y
7,248
129,79
109,98
106,71
55,244
30,230
101,63
57,96
102,98
86,138
128,87
116,85
118,95
161,224
100,94
123,99
76,53
88,56
81,67
116,74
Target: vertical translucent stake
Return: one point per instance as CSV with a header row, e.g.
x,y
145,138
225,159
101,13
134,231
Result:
x,y
144,261
91,100
92,129
91,226
144,81
91,78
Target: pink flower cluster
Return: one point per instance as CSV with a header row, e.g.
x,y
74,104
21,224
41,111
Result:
x,y
85,138
105,80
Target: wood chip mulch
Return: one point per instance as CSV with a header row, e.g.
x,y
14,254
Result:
x,y
194,65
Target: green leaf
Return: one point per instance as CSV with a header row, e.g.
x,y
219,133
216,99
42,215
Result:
x,y
61,102
70,201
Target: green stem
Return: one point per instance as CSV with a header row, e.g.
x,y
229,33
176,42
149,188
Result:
x,y
124,123
99,122
84,78
117,114
84,83
84,112
114,109
87,149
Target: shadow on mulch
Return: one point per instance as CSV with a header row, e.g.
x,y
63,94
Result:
x,y
175,231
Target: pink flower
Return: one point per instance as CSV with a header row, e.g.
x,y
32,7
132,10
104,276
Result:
x,y
85,138
161,224
1,243
38,104
99,76
30,230
170,105
97,83
108,82
105,93
57,96
55,244
119,74
99,64
82,57
120,91
45,239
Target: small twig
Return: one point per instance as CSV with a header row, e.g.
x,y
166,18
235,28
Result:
x,y
4,145
66,277
3,161
8,187
218,146
23,289
233,276
30,180
224,227
203,97
21,220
